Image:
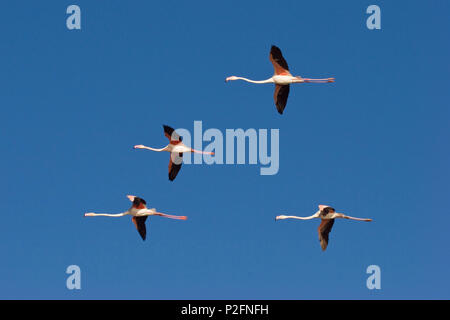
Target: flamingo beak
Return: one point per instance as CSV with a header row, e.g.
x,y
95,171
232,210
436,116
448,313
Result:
x,y
131,197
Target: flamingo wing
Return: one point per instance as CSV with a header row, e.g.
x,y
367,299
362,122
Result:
x,y
280,96
171,134
138,203
324,229
139,223
326,209
279,63
174,168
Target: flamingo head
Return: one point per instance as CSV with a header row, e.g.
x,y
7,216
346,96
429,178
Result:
x,y
231,78
280,217
139,146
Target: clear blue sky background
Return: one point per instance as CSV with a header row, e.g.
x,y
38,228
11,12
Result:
x,y
373,144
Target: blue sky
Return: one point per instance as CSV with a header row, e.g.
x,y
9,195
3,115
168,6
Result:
x,y
373,144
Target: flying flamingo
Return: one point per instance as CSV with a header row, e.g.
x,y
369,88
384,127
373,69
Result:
x,y
176,149
327,214
282,79
139,213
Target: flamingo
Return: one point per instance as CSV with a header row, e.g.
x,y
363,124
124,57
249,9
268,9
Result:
x,y
327,214
282,79
176,149
139,213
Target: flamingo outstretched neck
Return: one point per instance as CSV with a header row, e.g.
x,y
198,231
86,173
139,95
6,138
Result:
x,y
270,80
282,217
91,214
140,146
